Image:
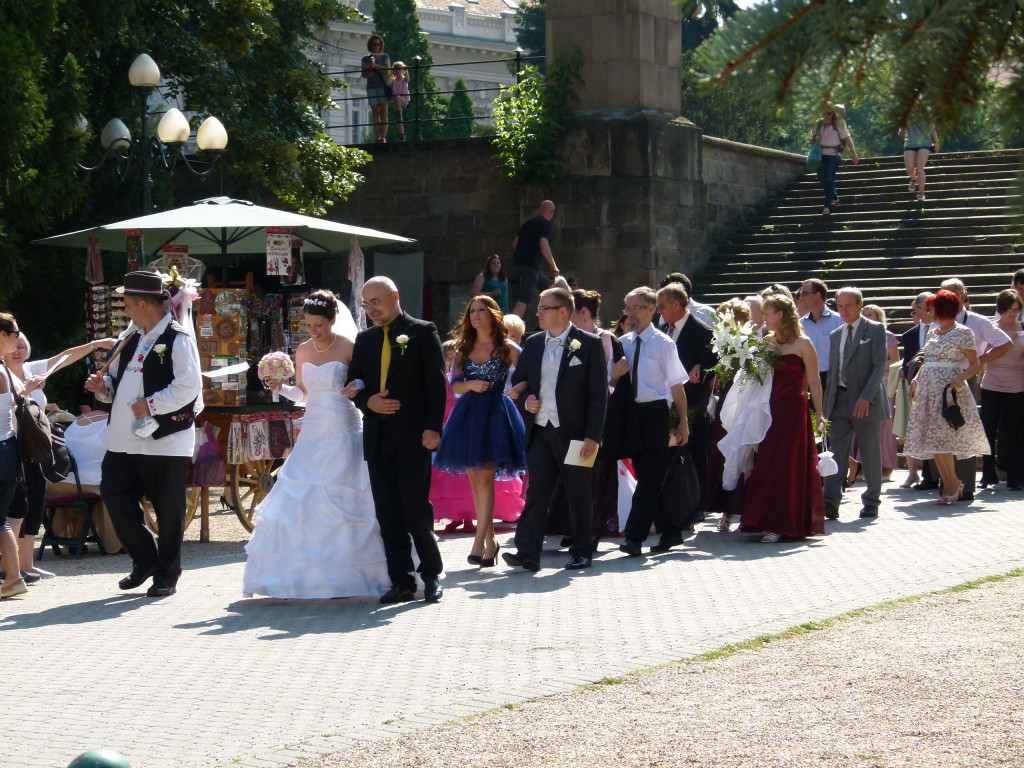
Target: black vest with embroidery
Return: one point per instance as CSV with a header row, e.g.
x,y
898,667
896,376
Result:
x,y
157,374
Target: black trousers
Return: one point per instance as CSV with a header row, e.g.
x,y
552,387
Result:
x,y
127,477
401,495
1002,414
651,464
700,444
29,501
545,459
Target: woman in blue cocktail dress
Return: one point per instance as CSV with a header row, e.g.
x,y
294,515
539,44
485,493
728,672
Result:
x,y
484,435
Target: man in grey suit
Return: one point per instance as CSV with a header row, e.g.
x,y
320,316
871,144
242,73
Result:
x,y
855,400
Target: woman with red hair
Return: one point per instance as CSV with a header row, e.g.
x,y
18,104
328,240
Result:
x,y
950,358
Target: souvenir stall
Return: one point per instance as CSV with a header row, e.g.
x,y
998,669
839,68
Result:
x,y
236,324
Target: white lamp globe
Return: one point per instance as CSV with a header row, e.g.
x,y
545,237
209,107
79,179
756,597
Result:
x,y
173,127
144,73
212,136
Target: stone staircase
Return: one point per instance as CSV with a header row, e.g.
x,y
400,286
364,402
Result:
x,y
880,239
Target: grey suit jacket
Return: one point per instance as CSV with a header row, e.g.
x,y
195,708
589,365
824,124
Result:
x,y
866,366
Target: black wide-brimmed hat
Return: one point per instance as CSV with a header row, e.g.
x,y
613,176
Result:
x,y
142,283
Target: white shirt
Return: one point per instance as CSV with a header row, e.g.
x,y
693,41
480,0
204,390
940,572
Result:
x,y
186,386
819,332
676,327
87,443
704,312
659,366
986,334
548,413
6,416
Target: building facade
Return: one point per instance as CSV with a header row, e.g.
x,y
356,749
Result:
x,y
470,39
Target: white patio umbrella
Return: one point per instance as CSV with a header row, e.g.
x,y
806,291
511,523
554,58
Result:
x,y
223,225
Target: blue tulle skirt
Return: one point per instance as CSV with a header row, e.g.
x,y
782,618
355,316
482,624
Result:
x,y
483,431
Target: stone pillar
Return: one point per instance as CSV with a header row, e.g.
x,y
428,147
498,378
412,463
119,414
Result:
x,y
631,51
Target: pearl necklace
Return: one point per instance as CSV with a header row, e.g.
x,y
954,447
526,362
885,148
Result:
x,y
334,339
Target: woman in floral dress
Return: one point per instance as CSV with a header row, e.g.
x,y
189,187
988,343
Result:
x,y
947,350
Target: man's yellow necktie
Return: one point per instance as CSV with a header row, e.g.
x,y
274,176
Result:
x,y
385,360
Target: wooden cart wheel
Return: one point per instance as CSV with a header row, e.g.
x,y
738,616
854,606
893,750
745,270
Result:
x,y
250,484
192,495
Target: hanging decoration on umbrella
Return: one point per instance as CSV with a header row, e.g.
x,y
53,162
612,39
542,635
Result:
x,y
357,274
296,274
93,262
279,250
133,248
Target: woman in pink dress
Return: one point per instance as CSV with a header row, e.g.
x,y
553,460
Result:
x,y
783,496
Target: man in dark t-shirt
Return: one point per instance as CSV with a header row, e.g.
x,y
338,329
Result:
x,y
531,244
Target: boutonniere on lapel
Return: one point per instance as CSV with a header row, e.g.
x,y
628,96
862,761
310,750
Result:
x,y
574,346
402,341
160,349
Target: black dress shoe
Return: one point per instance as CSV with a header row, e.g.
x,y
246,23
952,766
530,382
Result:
x,y
161,590
577,562
566,542
432,591
831,512
965,496
30,578
869,512
926,485
631,548
136,578
1015,487
398,594
521,561
665,543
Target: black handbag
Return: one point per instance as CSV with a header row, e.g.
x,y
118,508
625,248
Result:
x,y
34,440
951,413
680,493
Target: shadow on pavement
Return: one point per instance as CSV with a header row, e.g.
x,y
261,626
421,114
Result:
x,y
89,612
287,619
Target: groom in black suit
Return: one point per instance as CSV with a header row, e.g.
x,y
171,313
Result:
x,y
397,380
564,376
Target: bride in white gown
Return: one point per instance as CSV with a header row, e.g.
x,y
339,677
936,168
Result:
x,y
316,533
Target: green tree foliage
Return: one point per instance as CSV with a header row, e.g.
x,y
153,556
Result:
x,y
531,33
460,112
943,53
703,19
242,60
532,115
396,21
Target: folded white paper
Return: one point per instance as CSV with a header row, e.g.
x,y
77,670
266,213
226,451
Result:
x,y
572,456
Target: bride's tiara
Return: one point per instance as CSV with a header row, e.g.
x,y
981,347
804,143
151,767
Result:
x,y
317,302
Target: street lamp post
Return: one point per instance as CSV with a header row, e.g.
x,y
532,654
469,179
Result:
x,y
167,147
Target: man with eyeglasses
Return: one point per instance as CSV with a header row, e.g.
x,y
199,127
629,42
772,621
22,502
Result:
x,y
657,377
819,322
397,380
564,375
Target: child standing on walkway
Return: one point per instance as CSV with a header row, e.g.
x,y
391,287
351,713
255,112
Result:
x,y
400,97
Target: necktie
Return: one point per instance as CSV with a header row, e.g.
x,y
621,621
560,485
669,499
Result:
x,y
846,351
385,359
670,330
636,366
553,345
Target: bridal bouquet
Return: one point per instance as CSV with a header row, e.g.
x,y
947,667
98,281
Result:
x,y
739,349
274,368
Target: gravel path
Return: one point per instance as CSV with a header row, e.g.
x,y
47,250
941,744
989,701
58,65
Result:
x,y
928,683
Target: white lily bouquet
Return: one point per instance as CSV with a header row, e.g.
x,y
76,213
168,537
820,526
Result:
x,y
739,349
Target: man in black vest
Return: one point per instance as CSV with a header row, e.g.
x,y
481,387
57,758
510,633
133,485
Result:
x,y
154,382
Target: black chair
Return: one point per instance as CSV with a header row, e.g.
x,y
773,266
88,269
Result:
x,y
87,534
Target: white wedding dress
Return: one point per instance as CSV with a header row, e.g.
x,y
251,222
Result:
x,y
316,533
